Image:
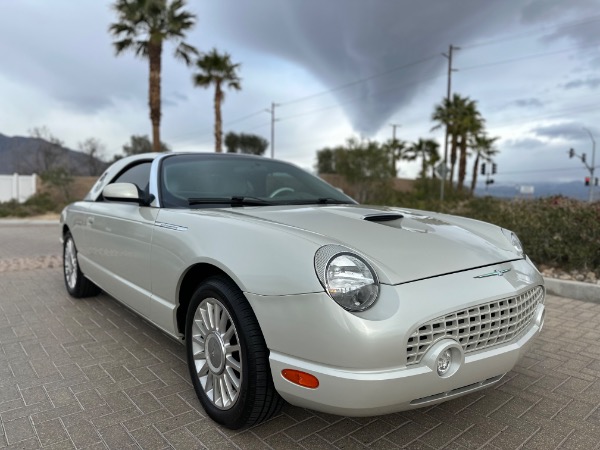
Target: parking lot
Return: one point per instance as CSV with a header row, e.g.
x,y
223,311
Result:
x,y
90,374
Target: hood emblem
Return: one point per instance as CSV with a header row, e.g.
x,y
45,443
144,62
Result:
x,y
495,273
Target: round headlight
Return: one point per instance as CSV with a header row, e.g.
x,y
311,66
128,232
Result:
x,y
347,278
514,240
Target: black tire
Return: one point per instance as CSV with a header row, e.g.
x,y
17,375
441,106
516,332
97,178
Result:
x,y
77,284
256,399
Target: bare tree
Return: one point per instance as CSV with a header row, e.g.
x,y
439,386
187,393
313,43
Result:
x,y
50,154
94,149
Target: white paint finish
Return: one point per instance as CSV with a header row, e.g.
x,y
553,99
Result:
x,y
316,329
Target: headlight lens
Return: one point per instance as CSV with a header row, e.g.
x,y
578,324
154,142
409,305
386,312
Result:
x,y
514,240
347,277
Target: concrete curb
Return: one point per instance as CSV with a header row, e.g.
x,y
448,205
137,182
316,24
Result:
x,y
573,289
28,222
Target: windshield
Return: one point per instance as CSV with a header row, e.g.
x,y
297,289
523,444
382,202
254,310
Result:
x,y
201,180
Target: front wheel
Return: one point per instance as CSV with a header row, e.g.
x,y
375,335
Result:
x,y
228,358
77,284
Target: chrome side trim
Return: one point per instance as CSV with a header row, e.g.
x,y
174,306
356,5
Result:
x,y
171,226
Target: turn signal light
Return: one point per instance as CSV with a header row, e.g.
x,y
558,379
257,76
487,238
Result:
x,y
300,378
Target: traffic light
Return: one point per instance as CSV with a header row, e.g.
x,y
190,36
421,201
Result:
x,y
583,158
494,168
596,181
483,169
587,181
571,153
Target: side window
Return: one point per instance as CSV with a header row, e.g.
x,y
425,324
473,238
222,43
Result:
x,y
138,175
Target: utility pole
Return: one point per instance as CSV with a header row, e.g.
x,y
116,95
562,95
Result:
x,y
394,126
592,167
273,120
451,49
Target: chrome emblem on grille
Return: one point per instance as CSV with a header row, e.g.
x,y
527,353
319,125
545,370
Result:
x,y
495,273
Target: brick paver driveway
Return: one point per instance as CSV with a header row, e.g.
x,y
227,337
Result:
x,y
90,374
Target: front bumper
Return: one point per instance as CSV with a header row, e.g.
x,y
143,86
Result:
x,y
367,393
360,359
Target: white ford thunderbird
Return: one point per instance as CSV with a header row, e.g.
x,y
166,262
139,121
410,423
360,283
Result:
x,y
283,288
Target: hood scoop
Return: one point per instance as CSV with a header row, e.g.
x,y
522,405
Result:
x,y
385,217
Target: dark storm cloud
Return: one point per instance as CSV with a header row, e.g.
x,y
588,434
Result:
x,y
523,144
585,32
340,41
567,130
528,103
591,83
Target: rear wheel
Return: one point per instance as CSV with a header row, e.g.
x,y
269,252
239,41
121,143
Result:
x,y
227,356
77,284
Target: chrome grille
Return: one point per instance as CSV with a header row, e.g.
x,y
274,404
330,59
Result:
x,y
478,327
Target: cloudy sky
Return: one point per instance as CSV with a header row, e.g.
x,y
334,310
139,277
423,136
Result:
x,y
336,69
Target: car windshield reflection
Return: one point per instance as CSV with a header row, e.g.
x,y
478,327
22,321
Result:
x,y
209,180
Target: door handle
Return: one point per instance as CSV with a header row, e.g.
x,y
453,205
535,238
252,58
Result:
x,y
90,221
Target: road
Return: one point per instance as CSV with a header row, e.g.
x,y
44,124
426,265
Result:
x,y
91,374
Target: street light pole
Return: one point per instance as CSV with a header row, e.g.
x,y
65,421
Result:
x,y
592,168
273,120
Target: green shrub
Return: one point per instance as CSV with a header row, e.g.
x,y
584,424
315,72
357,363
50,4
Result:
x,y
34,206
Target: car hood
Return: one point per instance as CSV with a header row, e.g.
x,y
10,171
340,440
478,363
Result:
x,y
415,246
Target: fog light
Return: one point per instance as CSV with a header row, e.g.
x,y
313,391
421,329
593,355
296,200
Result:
x,y
445,358
444,362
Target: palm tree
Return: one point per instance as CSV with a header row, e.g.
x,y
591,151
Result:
x,y
483,146
469,123
427,150
462,118
142,27
216,68
396,149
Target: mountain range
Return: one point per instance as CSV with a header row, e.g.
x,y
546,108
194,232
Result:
x,y
27,155
573,189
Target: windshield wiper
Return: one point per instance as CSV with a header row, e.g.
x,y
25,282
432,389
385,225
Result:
x,y
319,201
233,201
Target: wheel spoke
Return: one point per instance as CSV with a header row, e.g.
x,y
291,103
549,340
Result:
x,y
229,333
216,316
200,326
222,326
229,349
232,378
207,316
231,362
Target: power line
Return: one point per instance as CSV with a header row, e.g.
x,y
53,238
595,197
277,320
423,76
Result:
x,y
360,80
516,36
532,56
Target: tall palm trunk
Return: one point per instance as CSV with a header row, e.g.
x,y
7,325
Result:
x,y
454,145
154,56
462,165
475,170
218,120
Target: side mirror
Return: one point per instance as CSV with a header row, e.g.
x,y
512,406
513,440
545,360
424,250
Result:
x,y
123,192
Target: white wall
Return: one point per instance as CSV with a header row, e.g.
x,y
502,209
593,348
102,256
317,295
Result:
x,y
17,187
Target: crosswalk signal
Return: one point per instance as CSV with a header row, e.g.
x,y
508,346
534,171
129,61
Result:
x,y
587,181
483,169
494,168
